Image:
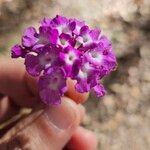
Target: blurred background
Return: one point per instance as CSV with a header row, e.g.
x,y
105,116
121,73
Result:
x,y
121,119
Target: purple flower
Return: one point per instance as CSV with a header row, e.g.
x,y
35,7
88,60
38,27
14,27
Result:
x,y
70,56
46,22
100,58
30,37
36,62
16,51
65,48
62,25
94,56
44,36
88,38
65,41
87,77
105,44
52,85
99,90
76,26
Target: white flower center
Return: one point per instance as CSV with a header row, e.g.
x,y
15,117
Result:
x,y
96,56
82,74
78,28
86,39
70,58
63,42
62,29
84,71
65,29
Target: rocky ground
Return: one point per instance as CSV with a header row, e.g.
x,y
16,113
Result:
x,y
121,119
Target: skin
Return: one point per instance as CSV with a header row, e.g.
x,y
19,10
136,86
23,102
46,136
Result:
x,y
47,127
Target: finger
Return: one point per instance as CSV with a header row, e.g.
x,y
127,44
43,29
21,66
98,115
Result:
x,y
12,82
73,94
12,116
7,109
46,129
82,139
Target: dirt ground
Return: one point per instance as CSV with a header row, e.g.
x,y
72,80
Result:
x,y
121,119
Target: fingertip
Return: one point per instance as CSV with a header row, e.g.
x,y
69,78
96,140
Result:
x,y
83,139
73,94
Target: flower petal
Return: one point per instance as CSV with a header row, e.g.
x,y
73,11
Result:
x,y
29,37
33,65
99,90
52,86
82,86
50,97
16,51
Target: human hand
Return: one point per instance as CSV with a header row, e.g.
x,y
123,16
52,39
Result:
x,y
47,127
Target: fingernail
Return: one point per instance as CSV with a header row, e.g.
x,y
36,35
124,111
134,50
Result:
x,y
62,116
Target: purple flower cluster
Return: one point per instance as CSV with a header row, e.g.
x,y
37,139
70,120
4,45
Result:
x,y
65,48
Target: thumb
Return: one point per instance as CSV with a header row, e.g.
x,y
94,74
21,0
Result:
x,y
46,129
